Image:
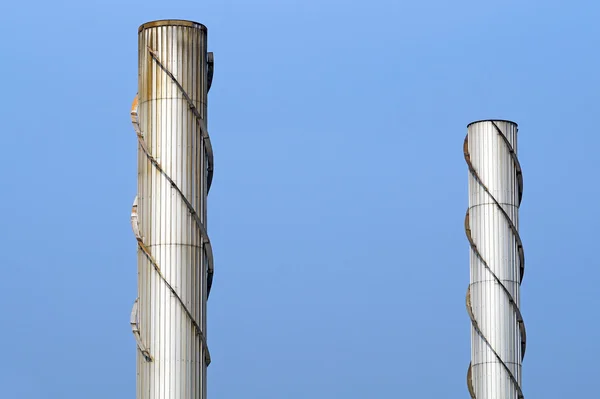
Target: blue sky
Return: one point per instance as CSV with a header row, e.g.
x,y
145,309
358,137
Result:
x,y
336,212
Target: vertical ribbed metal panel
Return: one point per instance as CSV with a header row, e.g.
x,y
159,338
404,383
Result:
x,y
173,137
495,184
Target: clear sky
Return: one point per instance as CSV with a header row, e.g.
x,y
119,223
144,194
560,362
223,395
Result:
x,y
336,213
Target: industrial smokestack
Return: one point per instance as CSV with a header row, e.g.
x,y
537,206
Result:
x,y
497,260
175,167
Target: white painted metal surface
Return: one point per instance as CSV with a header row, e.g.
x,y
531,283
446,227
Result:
x,y
170,213
493,299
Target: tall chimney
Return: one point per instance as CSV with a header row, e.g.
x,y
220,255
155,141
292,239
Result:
x,y
497,261
175,167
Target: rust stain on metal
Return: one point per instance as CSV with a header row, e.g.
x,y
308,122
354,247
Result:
x,y
172,22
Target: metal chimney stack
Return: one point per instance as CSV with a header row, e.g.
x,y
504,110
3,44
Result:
x,y
175,166
497,261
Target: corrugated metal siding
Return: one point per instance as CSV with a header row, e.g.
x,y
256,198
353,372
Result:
x,y
496,243
166,225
